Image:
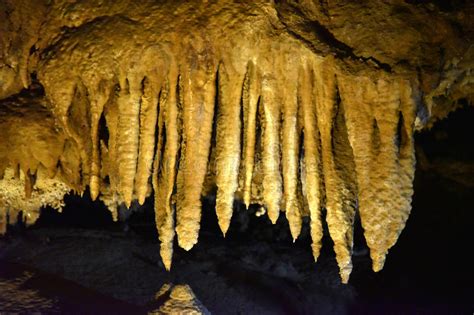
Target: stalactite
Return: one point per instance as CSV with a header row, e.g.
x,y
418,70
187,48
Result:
x,y
384,177
128,135
228,143
290,151
198,91
270,122
345,170
165,174
250,99
312,157
162,213
98,98
148,119
360,118
383,174
338,216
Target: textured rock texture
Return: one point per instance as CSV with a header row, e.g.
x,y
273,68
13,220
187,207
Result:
x,y
179,299
304,107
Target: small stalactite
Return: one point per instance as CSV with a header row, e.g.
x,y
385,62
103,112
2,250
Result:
x,y
290,144
148,122
128,135
270,111
250,99
311,174
385,174
228,131
345,169
98,97
339,222
198,91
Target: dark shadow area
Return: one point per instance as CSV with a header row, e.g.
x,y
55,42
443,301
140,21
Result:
x,y
78,212
429,270
50,294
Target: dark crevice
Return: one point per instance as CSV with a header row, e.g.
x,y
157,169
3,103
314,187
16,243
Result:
x,y
300,170
212,149
215,116
375,138
402,136
258,128
159,130
360,248
328,38
242,119
181,140
334,123
33,50
103,130
162,148
106,180
258,136
280,145
301,150
126,88
35,90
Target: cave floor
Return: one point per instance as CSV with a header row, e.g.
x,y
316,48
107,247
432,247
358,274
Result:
x,y
238,279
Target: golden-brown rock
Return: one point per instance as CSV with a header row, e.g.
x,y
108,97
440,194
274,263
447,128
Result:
x,y
294,105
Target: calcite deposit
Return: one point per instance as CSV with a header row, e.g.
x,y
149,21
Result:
x,y
178,299
307,108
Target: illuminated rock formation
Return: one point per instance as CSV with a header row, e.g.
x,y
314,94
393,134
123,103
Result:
x,y
178,299
258,99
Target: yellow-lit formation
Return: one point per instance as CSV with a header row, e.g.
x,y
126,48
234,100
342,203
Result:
x,y
176,99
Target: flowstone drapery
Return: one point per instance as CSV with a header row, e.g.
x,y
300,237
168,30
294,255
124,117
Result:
x,y
173,99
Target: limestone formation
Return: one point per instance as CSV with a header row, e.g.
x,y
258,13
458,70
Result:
x,y
302,107
178,299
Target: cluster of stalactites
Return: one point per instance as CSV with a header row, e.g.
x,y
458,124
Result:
x,y
294,139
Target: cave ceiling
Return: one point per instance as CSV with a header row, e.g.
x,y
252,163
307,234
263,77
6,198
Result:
x,y
306,108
